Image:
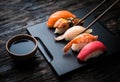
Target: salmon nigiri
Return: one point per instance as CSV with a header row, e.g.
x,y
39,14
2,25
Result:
x,y
72,33
80,41
57,15
91,50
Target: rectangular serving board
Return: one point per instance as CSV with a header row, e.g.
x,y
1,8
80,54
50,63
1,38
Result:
x,y
52,50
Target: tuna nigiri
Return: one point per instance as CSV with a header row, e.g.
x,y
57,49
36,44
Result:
x,y
92,49
72,33
57,15
80,41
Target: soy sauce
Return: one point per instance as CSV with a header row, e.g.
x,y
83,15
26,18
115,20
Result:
x,y
22,46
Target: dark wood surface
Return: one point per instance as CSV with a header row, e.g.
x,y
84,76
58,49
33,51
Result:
x,y
17,15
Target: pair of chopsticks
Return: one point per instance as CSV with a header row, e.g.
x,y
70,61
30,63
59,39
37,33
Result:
x,y
93,10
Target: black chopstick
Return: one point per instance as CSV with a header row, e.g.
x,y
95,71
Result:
x,y
103,13
93,10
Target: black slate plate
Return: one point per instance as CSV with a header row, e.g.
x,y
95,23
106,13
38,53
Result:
x,y
52,50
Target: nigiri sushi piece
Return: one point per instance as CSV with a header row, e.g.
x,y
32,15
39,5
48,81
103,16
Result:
x,y
57,15
91,50
72,33
62,25
81,40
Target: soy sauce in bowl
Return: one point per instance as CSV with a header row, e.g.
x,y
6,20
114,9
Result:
x,y
22,46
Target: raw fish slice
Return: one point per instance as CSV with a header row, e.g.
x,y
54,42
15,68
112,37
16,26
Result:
x,y
72,33
80,39
92,49
57,15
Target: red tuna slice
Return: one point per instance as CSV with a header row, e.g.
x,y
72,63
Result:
x,y
88,50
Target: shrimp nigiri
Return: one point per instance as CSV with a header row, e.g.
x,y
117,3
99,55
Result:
x,y
57,15
80,41
72,33
92,49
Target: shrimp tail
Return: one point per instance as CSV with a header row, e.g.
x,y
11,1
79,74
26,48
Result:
x,y
67,47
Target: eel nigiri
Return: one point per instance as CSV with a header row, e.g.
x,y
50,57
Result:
x,y
92,49
72,33
57,15
61,25
81,40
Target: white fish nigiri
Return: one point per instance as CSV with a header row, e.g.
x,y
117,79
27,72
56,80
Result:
x,y
92,49
72,33
80,41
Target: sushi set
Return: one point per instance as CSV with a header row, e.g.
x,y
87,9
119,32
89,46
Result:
x,y
61,48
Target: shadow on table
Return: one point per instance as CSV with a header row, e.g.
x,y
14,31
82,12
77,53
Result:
x,y
108,67
30,64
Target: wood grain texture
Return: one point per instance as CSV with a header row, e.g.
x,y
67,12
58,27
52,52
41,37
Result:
x,y
17,15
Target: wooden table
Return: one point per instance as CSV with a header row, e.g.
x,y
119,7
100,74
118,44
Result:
x,y
17,15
